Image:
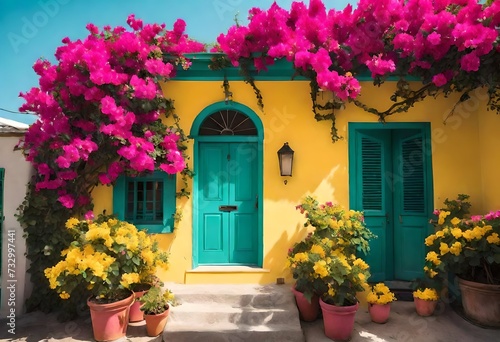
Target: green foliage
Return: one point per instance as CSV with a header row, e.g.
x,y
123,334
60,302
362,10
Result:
x,y
459,207
42,217
156,300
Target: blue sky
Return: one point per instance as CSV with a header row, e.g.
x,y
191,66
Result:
x,y
30,29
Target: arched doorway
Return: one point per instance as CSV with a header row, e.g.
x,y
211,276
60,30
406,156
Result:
x,y
227,209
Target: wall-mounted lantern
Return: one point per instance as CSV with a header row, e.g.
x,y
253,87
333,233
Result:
x,y
285,158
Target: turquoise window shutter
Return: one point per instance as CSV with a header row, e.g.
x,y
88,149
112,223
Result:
x,y
147,201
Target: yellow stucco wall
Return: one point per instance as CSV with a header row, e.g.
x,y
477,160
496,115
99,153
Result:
x,y
464,160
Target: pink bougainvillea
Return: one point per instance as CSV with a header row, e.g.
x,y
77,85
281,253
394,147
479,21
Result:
x,y
440,41
100,109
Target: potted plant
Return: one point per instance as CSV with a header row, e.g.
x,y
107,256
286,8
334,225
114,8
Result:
x,y
469,249
333,231
343,276
151,259
301,261
425,300
379,301
155,304
105,257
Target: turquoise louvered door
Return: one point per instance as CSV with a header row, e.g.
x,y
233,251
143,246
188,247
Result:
x,y
411,220
374,198
392,186
227,186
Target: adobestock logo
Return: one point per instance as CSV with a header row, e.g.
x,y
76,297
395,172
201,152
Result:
x,y
225,6
31,26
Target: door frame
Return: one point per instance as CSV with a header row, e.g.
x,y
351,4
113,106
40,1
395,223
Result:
x,y
259,139
424,127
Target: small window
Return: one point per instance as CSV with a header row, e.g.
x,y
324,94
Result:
x,y
146,201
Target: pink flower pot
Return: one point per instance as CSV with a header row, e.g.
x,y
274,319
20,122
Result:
x,y
136,315
110,321
338,321
379,313
308,311
424,307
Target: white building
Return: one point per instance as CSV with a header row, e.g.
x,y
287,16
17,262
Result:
x,y
15,174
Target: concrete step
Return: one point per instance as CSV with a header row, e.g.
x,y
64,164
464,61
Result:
x,y
237,295
236,312
228,332
215,312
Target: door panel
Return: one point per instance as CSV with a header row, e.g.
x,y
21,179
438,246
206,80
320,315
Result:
x,y
243,193
228,177
374,198
213,192
411,225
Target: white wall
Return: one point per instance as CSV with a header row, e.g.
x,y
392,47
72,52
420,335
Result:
x,y
15,285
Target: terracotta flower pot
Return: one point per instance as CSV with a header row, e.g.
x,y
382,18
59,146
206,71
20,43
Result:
x,y
110,321
308,311
424,307
481,302
338,320
155,324
379,313
136,315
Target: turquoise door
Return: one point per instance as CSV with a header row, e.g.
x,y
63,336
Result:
x,y
227,203
390,174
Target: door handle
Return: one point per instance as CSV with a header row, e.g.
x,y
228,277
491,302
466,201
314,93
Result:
x,y
257,202
228,207
386,217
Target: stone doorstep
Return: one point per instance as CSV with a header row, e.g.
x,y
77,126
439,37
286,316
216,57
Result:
x,y
228,313
217,312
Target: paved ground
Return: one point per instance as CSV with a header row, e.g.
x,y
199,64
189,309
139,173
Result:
x,y
404,325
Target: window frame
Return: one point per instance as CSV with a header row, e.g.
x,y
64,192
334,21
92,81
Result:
x,y
120,193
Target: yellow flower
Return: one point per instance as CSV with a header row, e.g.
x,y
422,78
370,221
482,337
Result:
x,y
430,272
72,222
468,235
129,279
317,249
300,257
455,221
327,242
430,239
443,248
426,294
442,216
439,234
320,268
456,232
456,248
64,295
493,239
361,264
433,257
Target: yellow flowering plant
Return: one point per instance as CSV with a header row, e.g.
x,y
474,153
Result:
x,y
426,294
105,259
469,248
324,263
380,294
